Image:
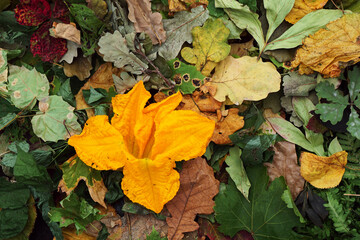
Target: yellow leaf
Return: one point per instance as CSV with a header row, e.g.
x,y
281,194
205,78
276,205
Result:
x,y
146,141
245,78
323,172
209,46
331,49
303,7
185,5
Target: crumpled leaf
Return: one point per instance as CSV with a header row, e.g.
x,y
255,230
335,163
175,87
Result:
x,y
80,68
237,171
332,49
178,31
25,86
285,164
303,7
115,49
185,5
102,78
146,21
56,120
74,210
265,215
323,172
227,126
209,46
99,7
75,170
197,188
245,78
66,31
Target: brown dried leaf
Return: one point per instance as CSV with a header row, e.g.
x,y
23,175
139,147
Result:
x,y
80,68
66,31
197,188
146,21
303,7
99,7
185,5
331,49
227,126
209,230
102,78
285,164
241,49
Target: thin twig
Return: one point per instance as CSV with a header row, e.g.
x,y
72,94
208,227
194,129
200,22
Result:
x,y
342,10
137,46
352,194
129,224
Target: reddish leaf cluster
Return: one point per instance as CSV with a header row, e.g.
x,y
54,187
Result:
x,y
39,13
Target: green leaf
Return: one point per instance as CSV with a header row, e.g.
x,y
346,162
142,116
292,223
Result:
x,y
332,112
290,133
265,217
354,84
4,4
276,12
177,33
237,171
26,85
308,25
115,50
93,96
334,147
337,214
298,85
13,195
86,18
66,93
354,124
187,79
6,107
7,120
154,235
252,4
287,198
302,107
56,120
75,211
214,11
243,18
112,181
327,91
9,159
104,233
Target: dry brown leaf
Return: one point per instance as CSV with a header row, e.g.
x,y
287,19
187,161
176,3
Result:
x,y
69,233
323,172
285,164
185,5
230,124
331,49
197,188
99,7
142,225
66,31
146,21
80,68
241,49
102,78
303,7
266,126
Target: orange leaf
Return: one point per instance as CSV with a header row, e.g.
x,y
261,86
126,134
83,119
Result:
x,y
197,188
303,7
323,172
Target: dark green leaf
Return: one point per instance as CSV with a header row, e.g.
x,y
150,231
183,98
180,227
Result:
x,y
354,84
9,159
94,96
112,181
250,3
104,233
12,221
86,18
5,121
327,91
266,216
154,235
213,11
66,93
75,211
6,107
332,112
354,124
135,208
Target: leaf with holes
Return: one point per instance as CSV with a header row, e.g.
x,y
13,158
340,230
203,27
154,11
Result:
x,y
56,120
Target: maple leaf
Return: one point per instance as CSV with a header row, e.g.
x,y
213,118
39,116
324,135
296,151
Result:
x,y
323,172
197,188
146,21
185,5
138,139
332,49
303,7
244,78
209,46
285,164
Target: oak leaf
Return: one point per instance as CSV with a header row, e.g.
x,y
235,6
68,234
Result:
x,y
146,21
185,5
197,188
80,67
285,164
303,7
323,172
74,170
102,78
209,46
331,49
244,78
66,31
139,141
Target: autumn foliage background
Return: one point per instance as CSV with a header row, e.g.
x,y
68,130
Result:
x,y
179,119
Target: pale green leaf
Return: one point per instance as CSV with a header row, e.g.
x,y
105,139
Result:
x,y
354,124
302,107
334,147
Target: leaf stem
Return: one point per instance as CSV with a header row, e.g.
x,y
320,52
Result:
x,y
355,169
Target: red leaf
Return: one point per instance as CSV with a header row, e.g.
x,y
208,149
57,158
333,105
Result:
x,y
33,12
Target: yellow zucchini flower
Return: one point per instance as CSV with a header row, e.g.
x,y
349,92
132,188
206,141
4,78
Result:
x,y
146,142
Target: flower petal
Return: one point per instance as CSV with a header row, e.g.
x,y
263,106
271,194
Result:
x,y
128,109
181,135
150,183
32,13
100,145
